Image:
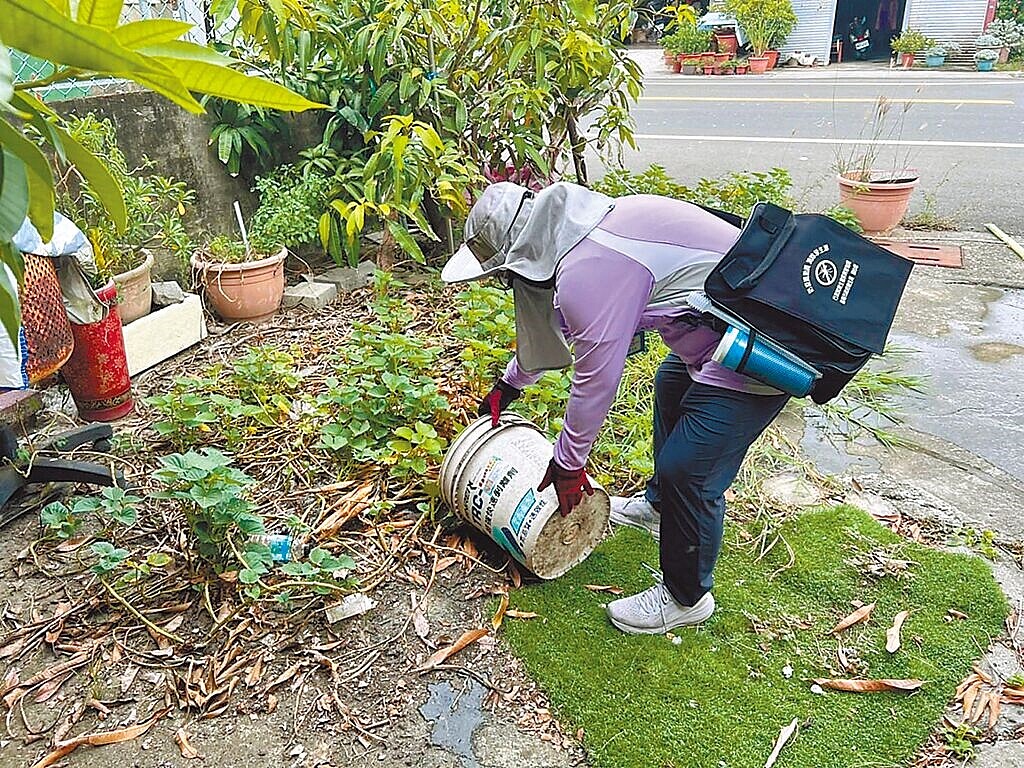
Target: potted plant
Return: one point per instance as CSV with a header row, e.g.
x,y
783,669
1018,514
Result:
x,y
241,282
935,56
767,23
742,66
707,63
878,192
908,44
156,207
1010,34
691,63
985,60
728,67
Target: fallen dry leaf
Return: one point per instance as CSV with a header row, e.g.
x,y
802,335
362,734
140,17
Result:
x,y
512,613
271,703
500,613
468,637
844,661
603,588
870,686
970,694
784,736
285,676
419,624
513,573
994,708
98,739
892,635
187,750
861,614
444,563
953,614
255,673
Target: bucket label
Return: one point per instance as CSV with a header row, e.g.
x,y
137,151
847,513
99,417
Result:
x,y
524,505
508,542
484,491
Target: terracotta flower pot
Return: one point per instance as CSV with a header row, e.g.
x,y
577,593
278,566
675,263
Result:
x,y
773,58
721,58
758,65
97,371
879,205
727,43
742,70
668,58
907,60
251,290
677,65
135,291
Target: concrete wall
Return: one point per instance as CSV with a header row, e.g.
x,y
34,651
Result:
x,y
177,143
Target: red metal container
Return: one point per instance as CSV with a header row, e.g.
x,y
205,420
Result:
x,y
97,372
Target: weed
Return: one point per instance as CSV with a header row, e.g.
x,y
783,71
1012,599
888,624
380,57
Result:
x,y
734,192
108,557
384,385
846,217
982,542
113,505
929,218
959,741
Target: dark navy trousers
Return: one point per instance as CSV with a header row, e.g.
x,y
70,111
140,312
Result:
x,y
701,434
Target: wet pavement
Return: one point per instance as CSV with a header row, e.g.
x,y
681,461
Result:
x,y
968,342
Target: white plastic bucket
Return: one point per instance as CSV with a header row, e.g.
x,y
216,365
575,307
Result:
x,y
490,477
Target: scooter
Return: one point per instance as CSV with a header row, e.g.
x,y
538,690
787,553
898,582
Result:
x,y
860,38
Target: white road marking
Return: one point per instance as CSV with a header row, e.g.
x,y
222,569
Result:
x,y
814,140
829,100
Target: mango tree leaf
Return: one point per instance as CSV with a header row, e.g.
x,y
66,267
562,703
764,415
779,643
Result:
x,y
40,30
10,312
13,194
220,10
202,70
583,10
63,6
39,175
406,241
137,34
100,13
100,180
6,76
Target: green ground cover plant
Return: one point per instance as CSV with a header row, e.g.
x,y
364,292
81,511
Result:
x,y
718,696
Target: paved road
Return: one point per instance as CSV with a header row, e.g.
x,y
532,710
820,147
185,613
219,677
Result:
x,y
965,133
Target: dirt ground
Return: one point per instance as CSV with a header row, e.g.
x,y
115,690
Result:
x,y
342,695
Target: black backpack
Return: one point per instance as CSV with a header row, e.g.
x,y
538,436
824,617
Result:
x,y
819,290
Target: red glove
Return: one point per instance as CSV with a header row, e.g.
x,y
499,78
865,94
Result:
x,y
497,400
570,485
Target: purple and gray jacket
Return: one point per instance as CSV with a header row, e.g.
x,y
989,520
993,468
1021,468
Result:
x,y
633,273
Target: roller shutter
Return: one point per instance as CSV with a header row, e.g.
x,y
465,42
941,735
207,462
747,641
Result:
x,y
958,20
813,31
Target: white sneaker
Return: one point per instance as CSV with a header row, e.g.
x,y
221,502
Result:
x,y
636,512
654,611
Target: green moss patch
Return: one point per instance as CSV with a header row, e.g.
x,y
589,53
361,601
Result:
x,y
717,696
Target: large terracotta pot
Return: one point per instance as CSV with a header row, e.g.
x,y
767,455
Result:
x,y
879,206
773,58
97,371
251,290
907,60
135,291
758,65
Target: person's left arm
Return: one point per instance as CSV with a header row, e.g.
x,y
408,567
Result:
x,y
601,296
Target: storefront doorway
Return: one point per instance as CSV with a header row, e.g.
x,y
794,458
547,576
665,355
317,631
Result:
x,y
882,20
